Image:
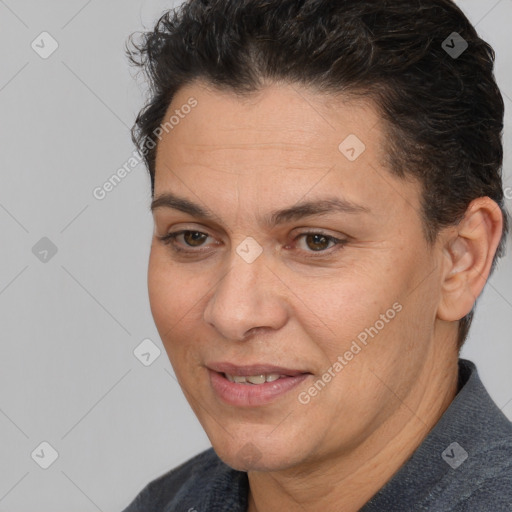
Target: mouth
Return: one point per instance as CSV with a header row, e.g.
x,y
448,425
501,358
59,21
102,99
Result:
x,y
254,379
253,385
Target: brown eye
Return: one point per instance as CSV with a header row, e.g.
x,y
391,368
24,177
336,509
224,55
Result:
x,y
190,239
318,242
194,238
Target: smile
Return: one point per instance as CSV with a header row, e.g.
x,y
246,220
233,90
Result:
x,y
252,386
253,379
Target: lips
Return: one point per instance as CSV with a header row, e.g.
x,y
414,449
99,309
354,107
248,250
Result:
x,y
250,386
254,369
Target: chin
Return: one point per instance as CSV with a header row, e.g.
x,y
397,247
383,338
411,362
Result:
x,y
258,456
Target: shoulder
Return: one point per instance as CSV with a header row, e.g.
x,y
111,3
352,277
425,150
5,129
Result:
x,y
465,462
189,472
494,491
482,478
193,481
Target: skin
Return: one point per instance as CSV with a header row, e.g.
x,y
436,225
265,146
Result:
x,y
242,158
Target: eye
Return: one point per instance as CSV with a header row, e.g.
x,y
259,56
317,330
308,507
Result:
x,y
191,239
315,242
318,242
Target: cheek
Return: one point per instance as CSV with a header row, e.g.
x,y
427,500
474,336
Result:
x,y
168,293
350,310
169,307
176,298
159,288
346,305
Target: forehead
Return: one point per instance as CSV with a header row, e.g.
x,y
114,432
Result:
x,y
299,114
282,120
283,137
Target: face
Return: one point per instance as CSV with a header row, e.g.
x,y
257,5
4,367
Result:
x,y
337,298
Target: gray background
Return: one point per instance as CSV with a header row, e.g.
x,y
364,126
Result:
x,y
70,324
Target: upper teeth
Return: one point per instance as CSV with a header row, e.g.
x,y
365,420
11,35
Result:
x,y
253,379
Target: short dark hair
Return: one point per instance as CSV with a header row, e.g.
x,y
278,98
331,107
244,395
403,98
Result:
x,y
443,113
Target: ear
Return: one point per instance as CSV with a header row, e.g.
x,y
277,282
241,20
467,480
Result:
x,y
468,250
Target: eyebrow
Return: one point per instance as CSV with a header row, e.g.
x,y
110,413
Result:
x,y
276,217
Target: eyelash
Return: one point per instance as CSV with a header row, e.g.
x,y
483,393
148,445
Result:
x,y
170,240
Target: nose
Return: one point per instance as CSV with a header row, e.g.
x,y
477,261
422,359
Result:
x,y
249,297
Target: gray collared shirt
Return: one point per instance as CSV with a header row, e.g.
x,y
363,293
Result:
x,y
464,464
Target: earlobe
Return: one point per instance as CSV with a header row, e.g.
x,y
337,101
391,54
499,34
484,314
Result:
x,y
469,252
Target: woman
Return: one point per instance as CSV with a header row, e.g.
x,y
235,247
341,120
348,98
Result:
x,y
317,254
